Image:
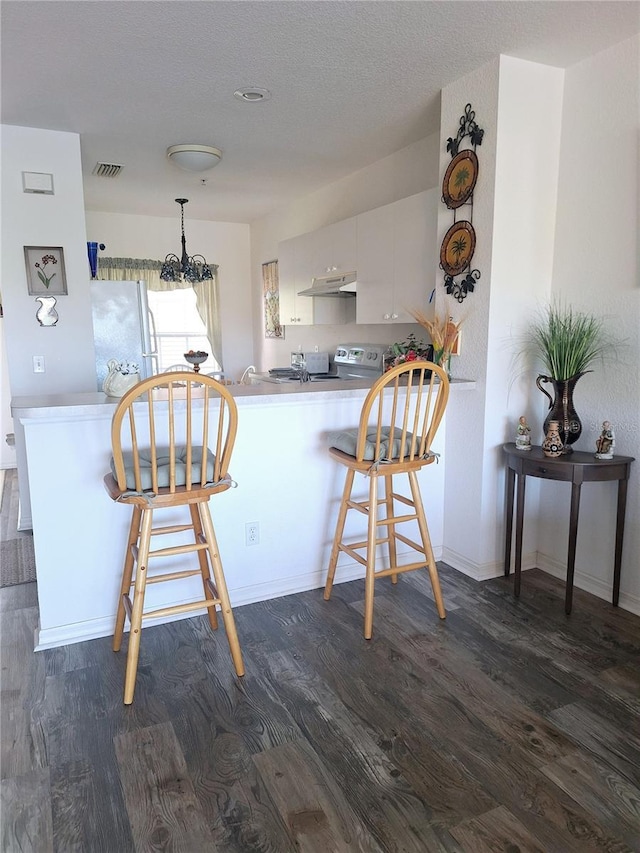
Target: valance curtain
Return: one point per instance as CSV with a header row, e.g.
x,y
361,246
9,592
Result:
x,y
207,292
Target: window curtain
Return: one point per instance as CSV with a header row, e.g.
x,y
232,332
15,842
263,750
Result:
x,y
207,292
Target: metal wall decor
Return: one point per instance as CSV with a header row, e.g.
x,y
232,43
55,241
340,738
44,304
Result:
x,y
459,243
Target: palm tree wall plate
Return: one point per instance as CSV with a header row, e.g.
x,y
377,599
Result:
x,y
460,179
457,247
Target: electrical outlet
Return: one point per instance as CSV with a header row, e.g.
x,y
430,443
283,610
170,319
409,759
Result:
x,y
38,364
251,533
316,348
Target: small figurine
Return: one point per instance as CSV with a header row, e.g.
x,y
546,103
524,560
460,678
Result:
x,y
552,445
605,442
523,439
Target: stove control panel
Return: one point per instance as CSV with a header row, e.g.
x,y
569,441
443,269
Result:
x,y
363,355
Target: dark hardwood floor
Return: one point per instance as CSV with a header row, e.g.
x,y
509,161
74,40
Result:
x,y
508,727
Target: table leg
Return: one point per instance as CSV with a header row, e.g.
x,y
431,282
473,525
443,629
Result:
x,y
511,478
573,536
622,504
519,525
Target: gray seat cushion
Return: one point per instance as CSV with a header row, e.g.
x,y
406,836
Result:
x,y
347,441
163,463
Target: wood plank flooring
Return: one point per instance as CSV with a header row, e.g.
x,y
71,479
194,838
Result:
x,y
508,727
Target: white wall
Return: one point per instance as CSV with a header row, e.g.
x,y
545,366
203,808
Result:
x,y
7,453
224,243
518,104
464,451
408,171
563,221
526,178
596,268
45,220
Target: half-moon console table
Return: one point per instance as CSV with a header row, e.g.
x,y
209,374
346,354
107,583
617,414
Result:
x,y
576,468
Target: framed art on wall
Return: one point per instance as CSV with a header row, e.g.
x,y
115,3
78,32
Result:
x,y
45,270
271,295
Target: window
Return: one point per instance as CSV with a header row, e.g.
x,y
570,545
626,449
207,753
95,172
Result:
x,y
178,327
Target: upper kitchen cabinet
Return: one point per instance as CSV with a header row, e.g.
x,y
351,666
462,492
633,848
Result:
x,y
375,265
396,259
298,262
294,309
333,249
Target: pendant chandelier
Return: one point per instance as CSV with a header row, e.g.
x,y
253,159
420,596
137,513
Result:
x,y
191,268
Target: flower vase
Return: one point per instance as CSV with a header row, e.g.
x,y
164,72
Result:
x,y
561,409
443,360
92,253
552,445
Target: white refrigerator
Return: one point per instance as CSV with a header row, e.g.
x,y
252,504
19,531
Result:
x,y
123,326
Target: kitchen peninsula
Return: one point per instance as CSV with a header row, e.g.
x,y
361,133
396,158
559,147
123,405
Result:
x,y
285,479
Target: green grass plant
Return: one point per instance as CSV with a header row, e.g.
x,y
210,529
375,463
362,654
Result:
x,y
569,341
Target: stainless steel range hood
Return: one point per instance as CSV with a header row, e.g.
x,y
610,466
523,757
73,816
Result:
x,y
332,285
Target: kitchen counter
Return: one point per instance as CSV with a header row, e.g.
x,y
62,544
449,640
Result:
x,y
286,483
262,389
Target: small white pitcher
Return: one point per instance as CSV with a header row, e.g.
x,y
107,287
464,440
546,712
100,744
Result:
x,y
117,383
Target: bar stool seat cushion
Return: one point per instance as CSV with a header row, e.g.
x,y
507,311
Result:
x,y
346,440
163,462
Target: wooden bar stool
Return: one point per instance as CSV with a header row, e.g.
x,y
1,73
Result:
x,y
172,437
399,420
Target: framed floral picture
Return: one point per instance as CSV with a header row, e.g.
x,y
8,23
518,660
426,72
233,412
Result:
x,y
45,270
271,296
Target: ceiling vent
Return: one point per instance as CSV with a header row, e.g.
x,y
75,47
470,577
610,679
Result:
x,y
106,170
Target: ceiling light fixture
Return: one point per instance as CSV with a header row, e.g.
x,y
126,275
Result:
x,y
194,158
192,268
252,94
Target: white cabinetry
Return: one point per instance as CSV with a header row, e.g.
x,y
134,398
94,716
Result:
x,y
318,253
393,250
333,249
396,259
294,309
375,265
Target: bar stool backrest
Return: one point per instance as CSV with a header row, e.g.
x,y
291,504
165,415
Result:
x,y
176,430
401,414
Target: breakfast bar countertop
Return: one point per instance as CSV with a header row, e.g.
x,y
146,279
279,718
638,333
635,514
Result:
x,y
96,403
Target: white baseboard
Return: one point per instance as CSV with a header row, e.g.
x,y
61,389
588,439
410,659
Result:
x,y
348,570
535,559
483,571
588,582
92,629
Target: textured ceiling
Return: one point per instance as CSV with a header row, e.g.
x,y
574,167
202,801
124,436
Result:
x,y
351,81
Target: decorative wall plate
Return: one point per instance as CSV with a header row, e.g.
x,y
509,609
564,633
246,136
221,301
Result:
x,y
457,247
460,179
